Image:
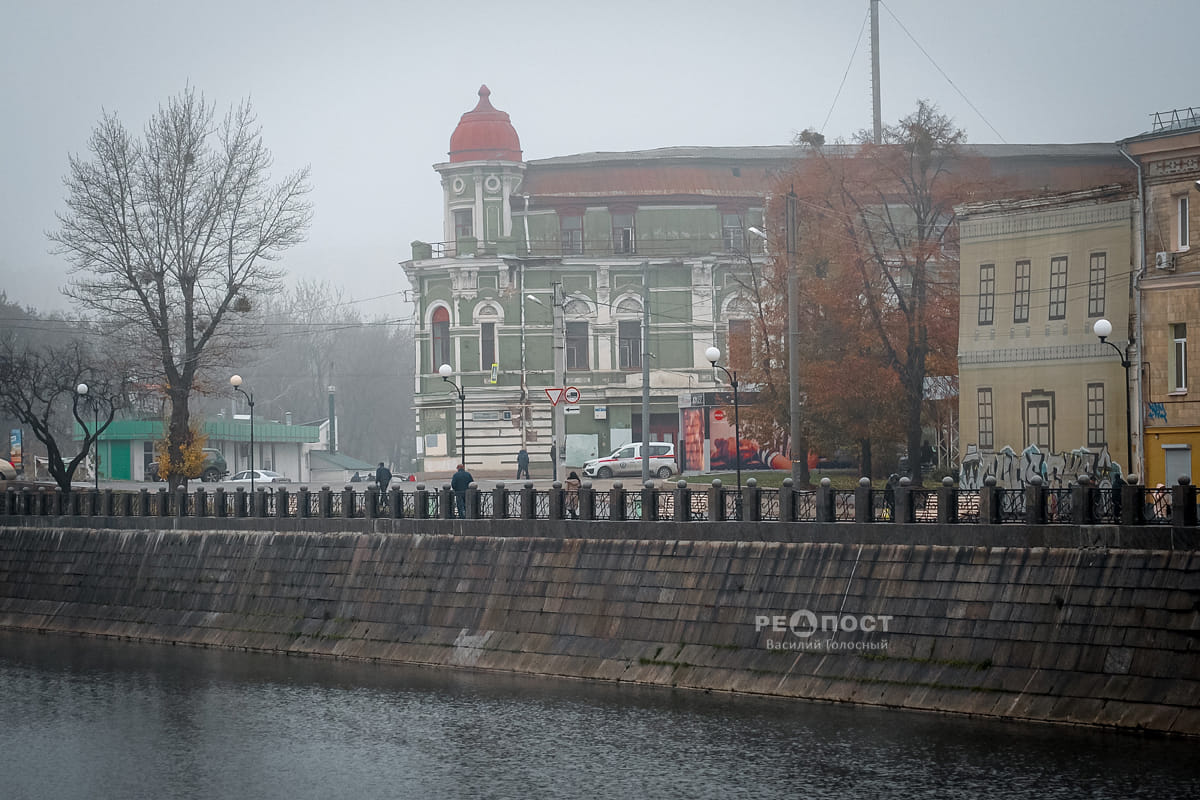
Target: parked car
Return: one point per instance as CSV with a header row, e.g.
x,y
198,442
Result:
x,y
260,476
627,460
213,469
7,471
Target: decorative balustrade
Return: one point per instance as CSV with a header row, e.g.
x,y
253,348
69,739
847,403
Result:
x,y
1080,503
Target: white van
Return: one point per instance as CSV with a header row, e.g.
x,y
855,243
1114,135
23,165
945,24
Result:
x,y
627,460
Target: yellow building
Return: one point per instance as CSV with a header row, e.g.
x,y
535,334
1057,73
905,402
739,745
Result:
x,y
1169,160
1036,275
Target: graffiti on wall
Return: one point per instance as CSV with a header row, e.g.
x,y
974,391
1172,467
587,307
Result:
x,y
1014,470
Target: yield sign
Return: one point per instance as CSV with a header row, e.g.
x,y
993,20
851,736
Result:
x,y
555,394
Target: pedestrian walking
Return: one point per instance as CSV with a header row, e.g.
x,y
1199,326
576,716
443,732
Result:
x,y
459,484
523,463
383,477
572,484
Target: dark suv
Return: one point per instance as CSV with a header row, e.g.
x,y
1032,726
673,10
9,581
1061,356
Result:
x,y
213,469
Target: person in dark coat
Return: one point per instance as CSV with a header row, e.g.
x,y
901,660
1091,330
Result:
x,y
572,485
459,484
523,463
889,494
383,477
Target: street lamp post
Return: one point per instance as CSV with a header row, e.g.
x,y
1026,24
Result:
x,y
445,370
236,383
713,354
1103,329
82,391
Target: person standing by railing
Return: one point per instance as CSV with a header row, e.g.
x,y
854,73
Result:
x,y
459,484
571,485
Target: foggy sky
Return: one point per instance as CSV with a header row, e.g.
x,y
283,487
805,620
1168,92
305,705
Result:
x,y
368,93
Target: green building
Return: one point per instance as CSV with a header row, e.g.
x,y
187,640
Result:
x,y
539,284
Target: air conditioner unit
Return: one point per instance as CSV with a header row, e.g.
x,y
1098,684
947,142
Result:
x,y
1164,260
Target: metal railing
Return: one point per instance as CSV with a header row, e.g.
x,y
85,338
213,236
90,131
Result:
x,y
1076,504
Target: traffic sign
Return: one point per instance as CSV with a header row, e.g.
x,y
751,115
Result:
x,y
555,394
719,414
571,395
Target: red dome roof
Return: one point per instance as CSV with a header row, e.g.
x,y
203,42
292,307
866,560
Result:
x,y
485,134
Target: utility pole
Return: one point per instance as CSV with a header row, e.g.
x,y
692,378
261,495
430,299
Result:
x,y
799,442
877,112
558,441
645,451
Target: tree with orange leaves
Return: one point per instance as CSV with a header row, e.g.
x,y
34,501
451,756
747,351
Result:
x,y
878,265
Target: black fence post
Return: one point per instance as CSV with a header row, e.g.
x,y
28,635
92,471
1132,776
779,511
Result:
x,y
302,502
616,502
239,502
1183,503
371,503
904,511
472,509
422,507
587,501
649,499
125,504
1133,503
281,502
447,502
396,502
201,509
219,509
106,503
947,497
787,501
752,501
864,501
1083,502
164,503
716,501
989,501
349,496
181,502
826,501
144,503
528,501
499,501
558,505
683,502
1036,495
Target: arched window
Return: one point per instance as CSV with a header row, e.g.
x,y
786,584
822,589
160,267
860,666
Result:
x,y
486,317
440,324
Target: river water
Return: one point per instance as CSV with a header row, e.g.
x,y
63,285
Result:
x,y
88,718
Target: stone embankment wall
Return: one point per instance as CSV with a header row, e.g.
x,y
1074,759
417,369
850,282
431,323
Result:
x,y
1042,630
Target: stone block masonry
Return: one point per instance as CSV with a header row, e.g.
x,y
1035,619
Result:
x,y
1087,635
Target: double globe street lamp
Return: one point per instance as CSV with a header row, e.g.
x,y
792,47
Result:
x,y
713,355
236,383
445,370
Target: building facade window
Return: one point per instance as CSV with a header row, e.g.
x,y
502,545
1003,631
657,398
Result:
x,y
623,234
629,344
571,230
577,345
987,293
733,234
1058,288
1096,436
1181,224
1021,292
440,340
1097,279
1038,410
983,401
487,345
462,223
1177,360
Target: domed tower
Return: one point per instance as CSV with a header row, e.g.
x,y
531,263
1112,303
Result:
x,y
485,168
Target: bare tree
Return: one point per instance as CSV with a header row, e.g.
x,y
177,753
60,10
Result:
x,y
38,384
169,234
